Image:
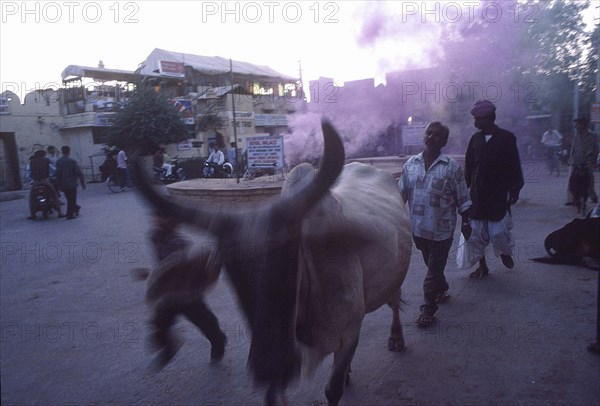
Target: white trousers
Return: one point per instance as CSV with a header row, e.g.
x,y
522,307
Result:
x,y
483,233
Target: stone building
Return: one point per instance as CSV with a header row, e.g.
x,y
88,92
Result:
x,y
24,128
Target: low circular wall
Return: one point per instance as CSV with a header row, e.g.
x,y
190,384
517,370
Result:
x,y
228,192
245,193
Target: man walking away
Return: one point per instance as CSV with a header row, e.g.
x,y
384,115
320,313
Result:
x,y
68,175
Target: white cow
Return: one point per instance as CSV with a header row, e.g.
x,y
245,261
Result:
x,y
307,268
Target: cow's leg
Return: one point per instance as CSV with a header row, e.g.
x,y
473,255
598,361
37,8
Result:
x,y
198,313
339,375
193,307
275,394
396,340
165,313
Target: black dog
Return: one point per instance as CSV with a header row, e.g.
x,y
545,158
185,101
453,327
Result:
x,y
579,183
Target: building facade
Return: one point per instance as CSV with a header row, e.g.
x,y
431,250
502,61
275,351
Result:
x,y
80,112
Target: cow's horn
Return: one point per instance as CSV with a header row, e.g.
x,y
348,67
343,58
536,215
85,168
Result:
x,y
331,167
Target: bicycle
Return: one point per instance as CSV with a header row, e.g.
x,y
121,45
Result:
x,y
554,160
112,181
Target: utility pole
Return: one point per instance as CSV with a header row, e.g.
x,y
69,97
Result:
x,y
301,81
597,123
237,160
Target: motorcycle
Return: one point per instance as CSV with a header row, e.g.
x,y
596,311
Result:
x,y
213,170
42,201
177,174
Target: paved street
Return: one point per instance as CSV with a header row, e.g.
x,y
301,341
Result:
x,y
73,322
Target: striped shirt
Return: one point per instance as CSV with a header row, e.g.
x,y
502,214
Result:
x,y
434,196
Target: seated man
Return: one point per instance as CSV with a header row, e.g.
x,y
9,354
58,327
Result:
x,y
215,159
40,173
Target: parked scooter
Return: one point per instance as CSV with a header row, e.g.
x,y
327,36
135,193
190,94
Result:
x,y
213,170
177,174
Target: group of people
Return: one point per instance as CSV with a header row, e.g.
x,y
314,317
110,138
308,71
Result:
x,y
583,153
436,189
45,165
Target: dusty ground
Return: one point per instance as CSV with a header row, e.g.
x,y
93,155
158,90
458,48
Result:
x,y
73,322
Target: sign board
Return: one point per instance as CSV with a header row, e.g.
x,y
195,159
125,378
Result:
x,y
244,115
595,113
270,120
170,68
185,109
185,145
412,135
104,119
265,151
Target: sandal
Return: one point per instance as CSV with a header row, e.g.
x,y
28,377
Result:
x,y
425,319
479,273
442,297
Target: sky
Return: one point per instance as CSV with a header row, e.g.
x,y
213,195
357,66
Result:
x,y
343,40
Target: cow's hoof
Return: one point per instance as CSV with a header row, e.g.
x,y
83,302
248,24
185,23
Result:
x,y
165,356
396,344
217,350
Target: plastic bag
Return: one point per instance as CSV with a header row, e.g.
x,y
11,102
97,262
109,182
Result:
x,y
462,261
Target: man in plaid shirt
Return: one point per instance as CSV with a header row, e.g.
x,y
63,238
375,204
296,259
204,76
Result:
x,y
434,186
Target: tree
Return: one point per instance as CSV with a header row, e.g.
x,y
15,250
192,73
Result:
x,y
590,66
528,49
147,121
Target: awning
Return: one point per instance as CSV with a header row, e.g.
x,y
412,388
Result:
x,y
211,65
76,72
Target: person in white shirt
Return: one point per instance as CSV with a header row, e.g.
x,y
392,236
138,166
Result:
x,y
122,169
215,159
552,140
434,187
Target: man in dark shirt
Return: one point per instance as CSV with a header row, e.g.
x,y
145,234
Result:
x,y
68,175
494,177
584,153
40,173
